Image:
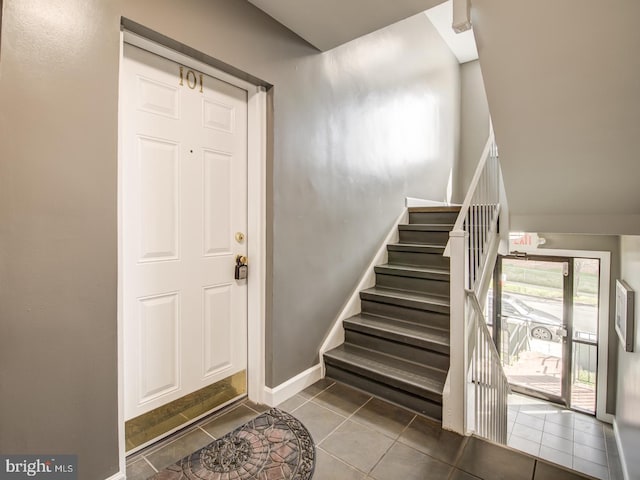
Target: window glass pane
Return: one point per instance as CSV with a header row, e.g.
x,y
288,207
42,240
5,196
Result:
x,y
583,377
586,280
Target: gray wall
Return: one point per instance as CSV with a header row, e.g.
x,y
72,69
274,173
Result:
x,y
58,145
603,243
628,405
474,124
562,79
355,130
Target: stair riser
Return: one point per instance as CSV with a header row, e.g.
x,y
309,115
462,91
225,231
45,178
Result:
x,y
433,217
427,238
400,350
391,394
423,285
423,317
418,259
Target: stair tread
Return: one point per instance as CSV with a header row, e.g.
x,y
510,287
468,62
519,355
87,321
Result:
x,y
393,369
427,227
422,333
412,271
434,209
415,247
405,295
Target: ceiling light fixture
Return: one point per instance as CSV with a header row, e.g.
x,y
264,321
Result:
x,y
461,15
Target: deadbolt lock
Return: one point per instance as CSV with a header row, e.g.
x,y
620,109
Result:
x,y
242,270
239,237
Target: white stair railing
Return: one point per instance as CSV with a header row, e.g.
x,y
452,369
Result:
x,y
475,394
487,385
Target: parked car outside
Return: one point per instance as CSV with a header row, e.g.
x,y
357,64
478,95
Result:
x,y
541,325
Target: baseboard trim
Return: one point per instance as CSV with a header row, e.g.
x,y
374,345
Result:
x,y
335,336
276,395
117,476
623,462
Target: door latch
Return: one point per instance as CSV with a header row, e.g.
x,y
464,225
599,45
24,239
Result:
x,y
241,267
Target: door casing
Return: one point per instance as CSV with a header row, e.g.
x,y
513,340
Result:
x,y
256,225
603,317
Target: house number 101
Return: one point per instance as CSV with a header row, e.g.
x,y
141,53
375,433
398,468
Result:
x,y
191,78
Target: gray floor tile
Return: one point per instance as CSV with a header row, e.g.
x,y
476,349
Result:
x,y
524,445
488,461
178,448
357,445
319,421
556,456
139,470
229,421
258,407
429,437
406,463
330,468
593,441
341,399
383,417
529,433
316,388
545,471
615,467
557,443
590,468
563,417
460,475
591,454
588,426
535,422
559,430
291,404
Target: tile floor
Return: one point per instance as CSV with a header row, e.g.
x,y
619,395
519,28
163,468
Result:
x,y
359,437
564,437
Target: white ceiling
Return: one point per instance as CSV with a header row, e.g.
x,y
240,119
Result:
x,y
463,45
325,24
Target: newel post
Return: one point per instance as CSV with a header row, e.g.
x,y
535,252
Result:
x,y
454,401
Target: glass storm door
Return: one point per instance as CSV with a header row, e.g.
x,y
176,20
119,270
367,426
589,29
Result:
x,y
534,317
546,327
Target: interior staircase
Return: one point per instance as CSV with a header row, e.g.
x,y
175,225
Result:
x,y
398,347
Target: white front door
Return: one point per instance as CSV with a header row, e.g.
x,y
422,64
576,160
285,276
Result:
x,y
184,202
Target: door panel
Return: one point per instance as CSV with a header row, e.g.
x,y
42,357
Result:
x,y
159,192
160,345
534,320
184,197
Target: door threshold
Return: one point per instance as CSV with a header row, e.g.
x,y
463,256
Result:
x,y
167,419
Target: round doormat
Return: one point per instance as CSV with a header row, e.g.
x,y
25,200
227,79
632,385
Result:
x,y
272,446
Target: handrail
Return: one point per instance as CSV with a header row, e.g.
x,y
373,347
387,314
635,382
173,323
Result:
x,y
483,325
473,248
488,382
459,225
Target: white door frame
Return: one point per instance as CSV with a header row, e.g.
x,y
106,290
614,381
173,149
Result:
x,y
603,318
256,226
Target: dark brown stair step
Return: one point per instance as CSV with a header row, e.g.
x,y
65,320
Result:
x,y
418,301
416,248
420,380
427,227
422,336
430,273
